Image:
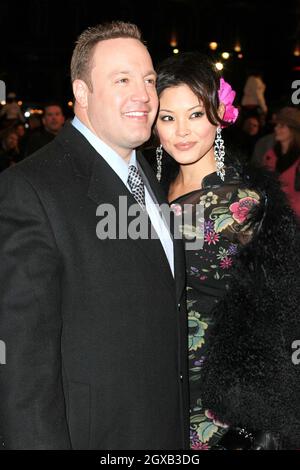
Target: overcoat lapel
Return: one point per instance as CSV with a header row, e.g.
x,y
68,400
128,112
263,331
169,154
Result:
x,y
179,256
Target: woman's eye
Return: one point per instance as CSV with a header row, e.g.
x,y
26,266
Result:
x,y
166,118
197,114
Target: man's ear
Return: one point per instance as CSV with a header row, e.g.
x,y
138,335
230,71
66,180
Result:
x,y
221,110
80,90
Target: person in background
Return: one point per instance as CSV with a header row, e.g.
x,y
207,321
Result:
x,y
53,121
21,132
19,127
11,111
253,99
251,126
267,139
250,133
10,153
244,135
34,123
244,386
284,156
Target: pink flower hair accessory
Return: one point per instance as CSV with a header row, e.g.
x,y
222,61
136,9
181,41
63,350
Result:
x,y
226,96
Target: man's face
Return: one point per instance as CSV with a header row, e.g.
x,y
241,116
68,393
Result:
x,y
53,119
123,104
12,141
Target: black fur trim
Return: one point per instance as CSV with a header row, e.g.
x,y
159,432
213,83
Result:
x,y
248,378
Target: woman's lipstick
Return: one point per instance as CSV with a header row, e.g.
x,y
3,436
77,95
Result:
x,y
185,146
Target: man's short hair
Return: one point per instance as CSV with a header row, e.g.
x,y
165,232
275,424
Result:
x,y
52,103
88,39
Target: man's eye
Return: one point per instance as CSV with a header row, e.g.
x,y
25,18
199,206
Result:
x,y
150,81
122,80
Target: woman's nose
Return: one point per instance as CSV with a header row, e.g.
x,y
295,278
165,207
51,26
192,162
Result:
x,y
182,129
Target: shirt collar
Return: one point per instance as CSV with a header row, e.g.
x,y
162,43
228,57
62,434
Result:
x,y
117,163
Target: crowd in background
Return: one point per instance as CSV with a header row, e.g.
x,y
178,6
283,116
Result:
x,y
20,137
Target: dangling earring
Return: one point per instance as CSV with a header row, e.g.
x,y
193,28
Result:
x,y
159,154
219,151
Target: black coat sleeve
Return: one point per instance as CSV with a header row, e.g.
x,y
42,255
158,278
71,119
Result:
x,y
32,406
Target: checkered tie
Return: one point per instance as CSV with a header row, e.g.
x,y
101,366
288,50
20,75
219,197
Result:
x,y
136,185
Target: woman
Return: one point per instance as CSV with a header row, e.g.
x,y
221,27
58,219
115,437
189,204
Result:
x,y
242,285
284,156
254,94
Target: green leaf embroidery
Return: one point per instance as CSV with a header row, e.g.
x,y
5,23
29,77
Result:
x,y
247,193
242,194
194,369
219,210
196,331
222,222
252,194
197,418
206,430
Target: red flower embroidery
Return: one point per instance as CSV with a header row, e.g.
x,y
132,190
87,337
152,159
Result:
x,y
199,446
211,238
226,263
241,209
215,420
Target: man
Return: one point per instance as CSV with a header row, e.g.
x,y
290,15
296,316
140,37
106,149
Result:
x,y
53,121
95,329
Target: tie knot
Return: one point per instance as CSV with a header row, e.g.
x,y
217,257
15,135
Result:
x,y
136,185
134,176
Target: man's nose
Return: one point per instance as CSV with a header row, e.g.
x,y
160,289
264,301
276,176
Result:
x,y
140,92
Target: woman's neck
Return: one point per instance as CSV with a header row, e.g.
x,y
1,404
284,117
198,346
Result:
x,y
190,176
284,147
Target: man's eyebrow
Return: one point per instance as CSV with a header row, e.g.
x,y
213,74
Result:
x,y
128,72
117,72
151,72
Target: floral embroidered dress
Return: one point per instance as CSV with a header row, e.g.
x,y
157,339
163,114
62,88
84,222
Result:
x,y
226,222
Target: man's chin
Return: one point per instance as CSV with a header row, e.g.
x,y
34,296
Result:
x,y
140,140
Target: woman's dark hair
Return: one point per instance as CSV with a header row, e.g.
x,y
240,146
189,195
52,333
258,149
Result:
x,y
196,71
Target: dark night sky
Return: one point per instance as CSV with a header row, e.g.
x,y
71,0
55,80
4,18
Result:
x,y
37,38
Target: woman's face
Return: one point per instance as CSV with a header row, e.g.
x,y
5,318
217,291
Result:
x,y
283,133
182,125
